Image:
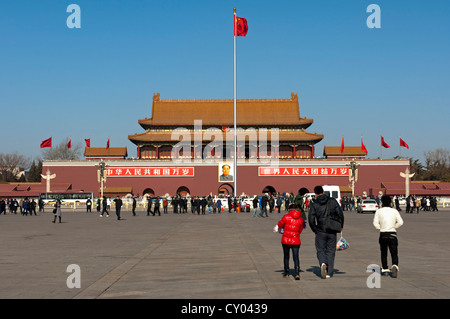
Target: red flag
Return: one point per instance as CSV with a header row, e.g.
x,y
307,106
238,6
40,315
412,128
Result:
x,y
383,143
342,145
403,143
363,147
69,145
88,142
46,143
240,26
107,144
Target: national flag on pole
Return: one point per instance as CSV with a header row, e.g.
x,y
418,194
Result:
x,y
46,143
240,26
88,142
107,144
383,143
363,147
342,145
69,145
403,143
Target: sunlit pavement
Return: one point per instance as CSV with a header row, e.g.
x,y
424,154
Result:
x,y
211,256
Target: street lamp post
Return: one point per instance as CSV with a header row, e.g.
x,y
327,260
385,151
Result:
x,y
353,175
101,176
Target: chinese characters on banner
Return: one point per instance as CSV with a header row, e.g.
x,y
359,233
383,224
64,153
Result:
x,y
150,172
303,171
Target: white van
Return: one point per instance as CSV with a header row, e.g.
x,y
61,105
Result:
x,y
333,191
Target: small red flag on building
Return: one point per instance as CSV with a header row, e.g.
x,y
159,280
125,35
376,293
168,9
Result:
x,y
383,143
403,143
363,147
46,143
240,26
107,144
88,142
69,145
342,145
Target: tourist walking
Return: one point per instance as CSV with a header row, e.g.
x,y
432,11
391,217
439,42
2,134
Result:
x,y
41,205
387,220
149,206
2,207
325,240
105,207
133,206
219,205
57,211
292,224
88,205
118,203
165,204
255,206
32,207
279,203
157,204
264,201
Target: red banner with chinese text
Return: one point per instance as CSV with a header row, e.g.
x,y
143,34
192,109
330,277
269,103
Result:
x,y
303,171
150,172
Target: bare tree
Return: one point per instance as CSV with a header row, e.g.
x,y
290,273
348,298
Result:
x,y
12,165
437,164
62,152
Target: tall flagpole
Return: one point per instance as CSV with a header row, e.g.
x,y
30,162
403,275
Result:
x,y
235,143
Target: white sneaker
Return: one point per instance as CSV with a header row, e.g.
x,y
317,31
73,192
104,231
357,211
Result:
x,y
394,270
328,277
323,270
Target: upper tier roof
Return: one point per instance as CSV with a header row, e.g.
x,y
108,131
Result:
x,y
219,112
161,137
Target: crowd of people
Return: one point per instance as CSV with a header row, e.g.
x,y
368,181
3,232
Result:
x,y
23,206
298,211
413,204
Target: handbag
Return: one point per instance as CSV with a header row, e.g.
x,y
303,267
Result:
x,y
332,221
277,229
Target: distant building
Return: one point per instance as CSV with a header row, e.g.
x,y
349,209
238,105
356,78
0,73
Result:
x,y
98,153
349,152
252,114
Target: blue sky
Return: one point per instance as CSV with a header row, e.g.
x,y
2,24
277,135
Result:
x,y
97,81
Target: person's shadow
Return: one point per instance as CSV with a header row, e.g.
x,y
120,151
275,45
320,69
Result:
x,y
316,271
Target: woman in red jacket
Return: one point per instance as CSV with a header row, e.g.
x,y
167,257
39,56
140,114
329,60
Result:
x,y
293,224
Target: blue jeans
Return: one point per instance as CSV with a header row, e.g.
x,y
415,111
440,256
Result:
x,y
326,250
295,253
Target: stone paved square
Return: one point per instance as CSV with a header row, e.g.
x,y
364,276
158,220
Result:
x,y
212,256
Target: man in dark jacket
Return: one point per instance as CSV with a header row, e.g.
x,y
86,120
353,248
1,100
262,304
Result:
x,y
118,202
255,206
264,201
325,240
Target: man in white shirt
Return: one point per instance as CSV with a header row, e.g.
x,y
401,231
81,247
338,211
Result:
x,y
387,220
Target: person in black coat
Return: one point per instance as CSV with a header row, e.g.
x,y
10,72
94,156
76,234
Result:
x,y
156,207
204,202
255,206
325,241
105,207
264,201
197,205
134,206
118,203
